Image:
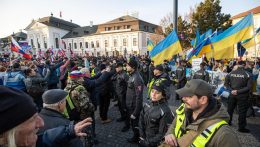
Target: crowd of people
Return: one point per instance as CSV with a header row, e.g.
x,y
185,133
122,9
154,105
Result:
x,y
59,98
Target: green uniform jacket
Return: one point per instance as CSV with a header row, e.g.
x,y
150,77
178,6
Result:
x,y
224,137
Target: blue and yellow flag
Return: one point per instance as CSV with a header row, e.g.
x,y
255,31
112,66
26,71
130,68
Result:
x,y
224,42
149,45
166,48
252,42
203,45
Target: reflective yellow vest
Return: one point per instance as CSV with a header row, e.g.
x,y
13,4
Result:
x,y
93,72
71,105
204,137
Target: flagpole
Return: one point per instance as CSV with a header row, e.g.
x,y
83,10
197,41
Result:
x,y
254,33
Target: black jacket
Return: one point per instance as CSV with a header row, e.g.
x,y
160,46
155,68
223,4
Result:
x,y
53,119
121,80
239,80
134,94
201,74
165,82
155,119
181,73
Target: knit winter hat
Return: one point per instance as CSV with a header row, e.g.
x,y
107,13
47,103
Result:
x,y
133,63
53,96
15,108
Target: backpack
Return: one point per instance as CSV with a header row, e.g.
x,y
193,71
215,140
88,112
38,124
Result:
x,y
72,114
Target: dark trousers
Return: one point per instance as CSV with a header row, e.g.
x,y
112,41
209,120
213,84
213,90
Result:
x,y
180,85
242,105
104,105
122,106
133,123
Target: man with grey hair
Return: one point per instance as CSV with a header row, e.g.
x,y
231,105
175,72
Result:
x,y
19,123
54,103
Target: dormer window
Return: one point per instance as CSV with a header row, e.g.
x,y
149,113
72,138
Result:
x,y
86,32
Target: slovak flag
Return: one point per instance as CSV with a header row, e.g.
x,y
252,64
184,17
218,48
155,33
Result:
x,y
16,48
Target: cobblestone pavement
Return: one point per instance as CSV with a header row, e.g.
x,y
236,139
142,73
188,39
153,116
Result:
x,y
109,135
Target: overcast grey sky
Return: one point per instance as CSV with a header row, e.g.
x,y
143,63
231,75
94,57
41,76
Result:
x,y
17,14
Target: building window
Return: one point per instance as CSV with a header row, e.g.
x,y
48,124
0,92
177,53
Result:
x,y
115,43
92,44
38,44
97,44
65,47
57,42
86,44
32,43
128,26
75,45
124,42
106,43
80,45
70,45
146,28
44,42
134,42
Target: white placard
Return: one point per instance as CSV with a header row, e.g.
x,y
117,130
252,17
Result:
x,y
196,64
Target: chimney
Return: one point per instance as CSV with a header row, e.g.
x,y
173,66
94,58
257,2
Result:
x,y
91,24
51,14
71,20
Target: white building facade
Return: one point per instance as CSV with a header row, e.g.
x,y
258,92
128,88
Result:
x,y
122,36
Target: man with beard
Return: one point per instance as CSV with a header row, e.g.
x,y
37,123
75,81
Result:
x,y
201,120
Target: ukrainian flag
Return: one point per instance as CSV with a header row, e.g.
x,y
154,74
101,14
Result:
x,y
149,45
166,48
252,41
223,43
203,45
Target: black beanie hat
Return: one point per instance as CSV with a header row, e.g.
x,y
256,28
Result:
x,y
15,108
159,67
133,63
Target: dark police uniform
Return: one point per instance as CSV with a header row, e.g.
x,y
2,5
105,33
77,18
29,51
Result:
x,y
134,100
241,81
155,119
201,74
121,80
181,76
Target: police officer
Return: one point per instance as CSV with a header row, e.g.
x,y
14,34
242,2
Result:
x,y
160,77
155,118
134,98
121,79
93,69
201,120
202,73
239,82
180,76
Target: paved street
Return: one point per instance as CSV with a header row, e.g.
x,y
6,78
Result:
x,y
109,135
